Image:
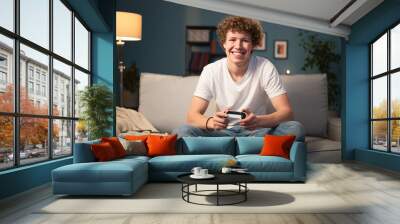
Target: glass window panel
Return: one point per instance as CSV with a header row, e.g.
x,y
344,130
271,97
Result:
x,y
379,135
395,136
62,28
81,45
33,140
62,89
379,56
35,21
395,95
6,74
81,81
379,97
39,62
6,142
81,131
395,47
62,138
7,14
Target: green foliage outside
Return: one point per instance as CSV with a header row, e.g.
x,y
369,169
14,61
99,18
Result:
x,y
321,54
96,104
380,127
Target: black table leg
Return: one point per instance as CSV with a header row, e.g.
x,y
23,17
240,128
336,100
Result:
x,y
217,194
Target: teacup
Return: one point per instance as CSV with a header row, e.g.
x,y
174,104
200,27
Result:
x,y
196,170
203,172
226,170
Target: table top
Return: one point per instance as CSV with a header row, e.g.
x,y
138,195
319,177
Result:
x,y
220,178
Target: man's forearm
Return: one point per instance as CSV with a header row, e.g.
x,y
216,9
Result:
x,y
197,120
273,119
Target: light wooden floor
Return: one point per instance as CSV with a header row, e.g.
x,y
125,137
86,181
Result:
x,y
379,190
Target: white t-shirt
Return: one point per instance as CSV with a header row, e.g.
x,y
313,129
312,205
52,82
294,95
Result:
x,y
260,79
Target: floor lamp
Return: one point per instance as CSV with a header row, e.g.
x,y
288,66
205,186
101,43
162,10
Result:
x,y
129,28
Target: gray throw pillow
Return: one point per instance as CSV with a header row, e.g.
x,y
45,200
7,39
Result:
x,y
137,147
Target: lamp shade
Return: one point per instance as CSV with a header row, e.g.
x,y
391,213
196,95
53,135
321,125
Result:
x,y
129,26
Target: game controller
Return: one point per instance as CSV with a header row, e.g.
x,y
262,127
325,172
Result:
x,y
236,114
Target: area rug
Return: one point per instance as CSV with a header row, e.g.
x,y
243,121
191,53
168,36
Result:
x,y
167,198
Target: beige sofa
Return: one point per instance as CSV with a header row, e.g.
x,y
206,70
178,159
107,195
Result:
x,y
164,100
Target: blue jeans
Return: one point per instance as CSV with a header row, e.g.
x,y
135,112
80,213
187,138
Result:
x,y
284,128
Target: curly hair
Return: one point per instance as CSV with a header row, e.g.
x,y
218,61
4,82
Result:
x,y
240,24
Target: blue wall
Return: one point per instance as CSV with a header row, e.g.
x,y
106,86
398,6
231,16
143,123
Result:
x,y
356,87
92,12
162,48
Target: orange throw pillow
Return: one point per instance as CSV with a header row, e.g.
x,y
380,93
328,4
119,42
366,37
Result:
x,y
159,145
103,151
116,145
136,137
275,145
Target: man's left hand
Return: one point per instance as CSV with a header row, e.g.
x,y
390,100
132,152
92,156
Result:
x,y
251,121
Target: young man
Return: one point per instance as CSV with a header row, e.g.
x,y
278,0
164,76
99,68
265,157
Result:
x,y
240,82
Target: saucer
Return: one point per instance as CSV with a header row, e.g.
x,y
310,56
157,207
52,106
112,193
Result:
x,y
208,176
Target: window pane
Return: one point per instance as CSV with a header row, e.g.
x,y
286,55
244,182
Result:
x,y
6,142
395,94
33,139
7,14
81,81
379,97
35,21
81,131
395,136
62,29
34,97
395,47
62,138
62,89
81,45
379,135
6,74
379,55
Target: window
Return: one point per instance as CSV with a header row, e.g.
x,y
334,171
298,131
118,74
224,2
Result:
x,y
41,83
385,91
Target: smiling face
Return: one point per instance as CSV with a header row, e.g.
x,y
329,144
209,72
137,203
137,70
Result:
x,y
238,47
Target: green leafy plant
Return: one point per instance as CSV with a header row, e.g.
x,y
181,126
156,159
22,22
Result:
x,y
321,54
96,104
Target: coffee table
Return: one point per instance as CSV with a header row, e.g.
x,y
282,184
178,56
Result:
x,y
238,179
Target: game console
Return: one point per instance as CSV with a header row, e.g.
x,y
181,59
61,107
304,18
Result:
x,y
236,114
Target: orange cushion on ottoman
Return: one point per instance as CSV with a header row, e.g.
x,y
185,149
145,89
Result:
x,y
159,145
275,145
103,152
116,145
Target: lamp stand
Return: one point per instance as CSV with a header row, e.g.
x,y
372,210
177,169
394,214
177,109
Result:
x,y
121,68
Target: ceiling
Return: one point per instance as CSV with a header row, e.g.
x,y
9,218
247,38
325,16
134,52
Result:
x,y
333,17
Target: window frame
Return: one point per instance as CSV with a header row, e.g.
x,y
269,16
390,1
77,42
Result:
x,y
388,74
16,114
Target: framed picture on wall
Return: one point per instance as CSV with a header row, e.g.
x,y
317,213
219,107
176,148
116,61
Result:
x,y
198,35
281,49
263,43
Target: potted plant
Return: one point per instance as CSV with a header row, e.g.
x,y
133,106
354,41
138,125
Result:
x,y
96,104
321,54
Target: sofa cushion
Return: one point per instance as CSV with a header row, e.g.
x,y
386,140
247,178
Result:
x,y
83,152
163,103
249,145
277,145
103,152
207,145
257,163
112,171
159,145
185,163
308,96
116,145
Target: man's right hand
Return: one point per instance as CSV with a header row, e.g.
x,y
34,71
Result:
x,y
219,120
